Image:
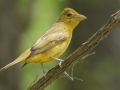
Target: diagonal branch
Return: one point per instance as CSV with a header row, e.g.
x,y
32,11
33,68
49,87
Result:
x,y
82,51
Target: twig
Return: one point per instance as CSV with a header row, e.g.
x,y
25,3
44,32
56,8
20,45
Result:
x,y
33,82
82,51
83,58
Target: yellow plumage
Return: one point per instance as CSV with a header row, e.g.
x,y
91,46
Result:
x,y
54,42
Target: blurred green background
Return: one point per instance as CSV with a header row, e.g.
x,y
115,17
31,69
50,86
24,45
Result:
x,y
22,22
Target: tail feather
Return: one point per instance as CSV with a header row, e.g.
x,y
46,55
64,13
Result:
x,y
11,64
21,58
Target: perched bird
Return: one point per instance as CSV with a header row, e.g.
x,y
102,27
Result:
x,y
54,42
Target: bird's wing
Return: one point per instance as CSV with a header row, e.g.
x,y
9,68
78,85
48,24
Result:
x,y
47,41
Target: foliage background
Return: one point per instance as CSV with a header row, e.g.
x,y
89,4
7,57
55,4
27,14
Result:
x,y
22,22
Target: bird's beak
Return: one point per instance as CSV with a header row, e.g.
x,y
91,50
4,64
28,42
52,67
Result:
x,y
80,17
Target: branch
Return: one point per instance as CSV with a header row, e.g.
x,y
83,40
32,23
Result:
x,y
82,51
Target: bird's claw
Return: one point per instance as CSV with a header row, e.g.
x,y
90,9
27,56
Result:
x,y
45,74
60,63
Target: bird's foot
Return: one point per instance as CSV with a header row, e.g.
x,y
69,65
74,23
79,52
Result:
x,y
45,74
60,61
44,71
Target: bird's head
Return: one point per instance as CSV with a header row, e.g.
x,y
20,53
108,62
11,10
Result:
x,y
71,17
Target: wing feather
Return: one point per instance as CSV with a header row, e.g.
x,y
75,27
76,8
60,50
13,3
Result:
x,y
47,41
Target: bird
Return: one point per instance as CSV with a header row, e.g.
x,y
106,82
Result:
x,y
53,43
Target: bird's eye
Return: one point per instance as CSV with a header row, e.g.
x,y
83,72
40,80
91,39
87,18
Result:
x,y
69,14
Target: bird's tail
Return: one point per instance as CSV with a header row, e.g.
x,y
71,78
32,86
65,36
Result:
x,y
21,58
11,64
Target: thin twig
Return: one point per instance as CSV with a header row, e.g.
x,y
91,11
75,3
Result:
x,y
83,58
33,82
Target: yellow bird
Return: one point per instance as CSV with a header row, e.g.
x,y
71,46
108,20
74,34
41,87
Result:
x,y
54,42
